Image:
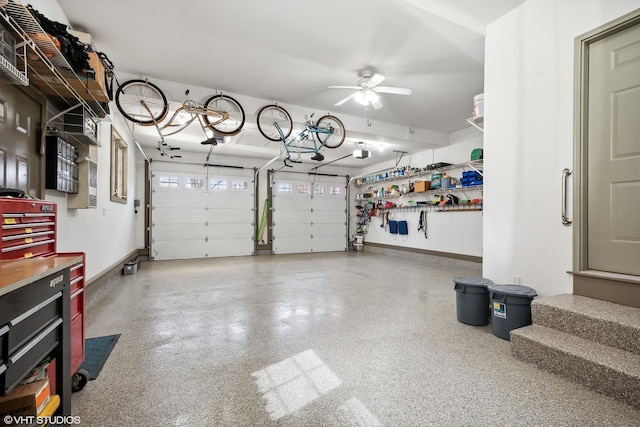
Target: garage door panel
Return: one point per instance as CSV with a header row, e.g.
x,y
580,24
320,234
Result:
x,y
328,230
327,244
303,208
229,200
228,231
169,232
179,249
229,216
293,203
281,217
181,216
185,216
328,203
334,217
229,247
291,246
174,199
293,230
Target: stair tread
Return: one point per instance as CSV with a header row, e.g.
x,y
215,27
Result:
x,y
594,352
603,310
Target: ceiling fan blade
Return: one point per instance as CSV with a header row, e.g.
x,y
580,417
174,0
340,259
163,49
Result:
x,y
394,90
375,80
345,87
377,104
343,100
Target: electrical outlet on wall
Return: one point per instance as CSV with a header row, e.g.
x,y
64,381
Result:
x,y
517,280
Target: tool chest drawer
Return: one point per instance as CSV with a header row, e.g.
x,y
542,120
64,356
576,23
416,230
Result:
x,y
28,228
77,276
30,324
77,296
3,335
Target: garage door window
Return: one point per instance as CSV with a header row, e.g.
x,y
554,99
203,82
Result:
x,y
303,189
218,184
319,189
194,183
169,182
240,185
337,191
285,188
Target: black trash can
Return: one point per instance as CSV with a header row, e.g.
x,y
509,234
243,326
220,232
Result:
x,y
472,300
510,308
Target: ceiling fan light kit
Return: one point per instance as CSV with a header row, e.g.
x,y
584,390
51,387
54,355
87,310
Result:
x,y
366,96
367,88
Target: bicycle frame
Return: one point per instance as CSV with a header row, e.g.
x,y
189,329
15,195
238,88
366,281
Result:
x,y
196,110
309,132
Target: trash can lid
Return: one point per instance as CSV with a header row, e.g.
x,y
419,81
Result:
x,y
472,281
513,290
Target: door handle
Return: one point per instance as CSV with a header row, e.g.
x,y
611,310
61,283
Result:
x,y
565,175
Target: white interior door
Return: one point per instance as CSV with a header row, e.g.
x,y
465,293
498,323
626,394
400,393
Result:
x,y
199,216
309,213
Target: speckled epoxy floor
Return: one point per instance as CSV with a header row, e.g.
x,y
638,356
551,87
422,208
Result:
x,y
341,339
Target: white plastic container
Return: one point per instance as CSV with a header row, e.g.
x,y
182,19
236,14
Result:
x,y
478,106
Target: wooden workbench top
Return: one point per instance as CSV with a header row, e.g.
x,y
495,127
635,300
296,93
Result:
x,y
16,273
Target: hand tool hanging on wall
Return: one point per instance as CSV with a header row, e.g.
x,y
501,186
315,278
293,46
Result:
x,y
422,224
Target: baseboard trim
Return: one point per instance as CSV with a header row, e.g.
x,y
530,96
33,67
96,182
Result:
x,y
451,255
458,260
104,278
607,289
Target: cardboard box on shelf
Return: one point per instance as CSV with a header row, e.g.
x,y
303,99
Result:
x,y
25,400
88,87
421,186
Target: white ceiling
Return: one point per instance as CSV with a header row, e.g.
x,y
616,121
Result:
x,y
289,51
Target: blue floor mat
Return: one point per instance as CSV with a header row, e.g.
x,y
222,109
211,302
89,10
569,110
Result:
x,y
96,352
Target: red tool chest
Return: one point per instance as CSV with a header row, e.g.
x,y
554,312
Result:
x,y
28,228
77,313
28,231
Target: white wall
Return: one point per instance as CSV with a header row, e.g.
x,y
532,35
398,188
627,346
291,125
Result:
x,y
452,232
529,74
106,234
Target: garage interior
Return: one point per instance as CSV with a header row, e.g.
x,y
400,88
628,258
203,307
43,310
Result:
x,y
253,282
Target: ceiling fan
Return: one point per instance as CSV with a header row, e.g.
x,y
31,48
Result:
x,y
367,90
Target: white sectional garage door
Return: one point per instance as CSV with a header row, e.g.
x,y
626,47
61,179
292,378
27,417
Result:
x,y
195,216
309,215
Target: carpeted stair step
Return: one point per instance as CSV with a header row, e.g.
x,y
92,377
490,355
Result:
x,y
600,321
608,370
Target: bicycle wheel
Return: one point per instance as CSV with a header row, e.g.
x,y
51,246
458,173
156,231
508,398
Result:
x,y
231,125
336,137
268,116
132,97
